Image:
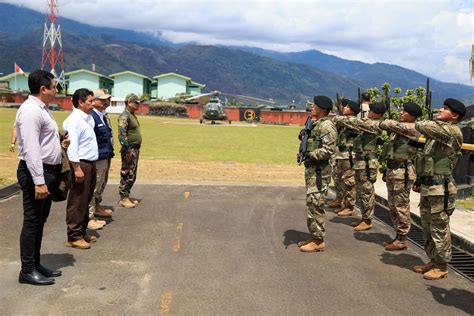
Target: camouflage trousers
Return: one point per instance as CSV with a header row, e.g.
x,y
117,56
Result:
x,y
399,198
347,183
337,178
435,224
128,172
365,188
315,214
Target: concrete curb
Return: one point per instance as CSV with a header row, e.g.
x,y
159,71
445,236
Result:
x,y
456,240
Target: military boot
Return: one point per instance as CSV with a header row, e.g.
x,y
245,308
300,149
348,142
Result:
x,y
386,243
78,244
304,242
423,268
357,223
436,273
335,203
125,202
364,225
346,212
313,246
396,245
94,225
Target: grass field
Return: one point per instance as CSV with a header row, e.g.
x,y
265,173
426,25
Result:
x,y
182,149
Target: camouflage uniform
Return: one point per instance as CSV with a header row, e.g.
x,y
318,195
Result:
x,y
366,164
337,173
321,146
130,138
434,170
344,165
400,173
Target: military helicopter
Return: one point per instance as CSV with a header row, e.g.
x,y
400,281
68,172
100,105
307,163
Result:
x,y
213,110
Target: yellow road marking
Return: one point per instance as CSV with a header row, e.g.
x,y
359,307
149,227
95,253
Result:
x,y
165,303
177,243
186,195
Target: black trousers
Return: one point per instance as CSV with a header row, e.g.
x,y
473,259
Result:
x,y
35,214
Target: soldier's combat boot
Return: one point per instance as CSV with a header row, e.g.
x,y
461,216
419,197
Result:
x,y
125,202
357,223
313,246
423,268
386,243
436,273
365,225
396,245
346,212
335,203
304,242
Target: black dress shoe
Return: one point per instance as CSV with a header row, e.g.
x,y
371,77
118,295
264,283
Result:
x,y
48,272
34,278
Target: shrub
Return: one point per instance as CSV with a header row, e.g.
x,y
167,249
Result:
x,y
167,109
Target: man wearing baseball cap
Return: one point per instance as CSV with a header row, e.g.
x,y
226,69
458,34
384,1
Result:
x,y
130,138
103,132
434,171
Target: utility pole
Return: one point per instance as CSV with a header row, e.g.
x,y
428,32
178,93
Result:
x,y
52,57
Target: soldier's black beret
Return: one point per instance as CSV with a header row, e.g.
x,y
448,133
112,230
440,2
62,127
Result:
x,y
413,109
377,107
456,106
354,106
344,101
323,102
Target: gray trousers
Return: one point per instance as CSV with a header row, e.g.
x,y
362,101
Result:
x,y
103,167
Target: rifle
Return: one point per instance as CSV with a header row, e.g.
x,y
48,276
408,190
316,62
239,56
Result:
x,y
308,126
428,99
387,104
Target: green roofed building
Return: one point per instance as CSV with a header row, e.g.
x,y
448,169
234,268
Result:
x,y
171,84
17,81
83,78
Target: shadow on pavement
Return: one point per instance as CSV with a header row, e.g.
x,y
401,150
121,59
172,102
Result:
x,y
402,260
376,238
459,298
293,237
343,220
57,261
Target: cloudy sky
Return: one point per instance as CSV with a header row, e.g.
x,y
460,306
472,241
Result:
x,y
433,37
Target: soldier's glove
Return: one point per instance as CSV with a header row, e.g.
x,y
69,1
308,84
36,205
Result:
x,y
301,134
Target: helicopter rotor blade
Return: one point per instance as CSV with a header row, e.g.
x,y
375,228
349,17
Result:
x,y
248,98
199,96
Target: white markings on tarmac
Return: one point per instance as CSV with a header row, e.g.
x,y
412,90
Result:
x,y
177,242
165,303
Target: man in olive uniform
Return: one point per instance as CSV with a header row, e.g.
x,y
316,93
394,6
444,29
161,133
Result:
x,y
130,138
400,172
438,190
366,163
320,148
337,172
345,160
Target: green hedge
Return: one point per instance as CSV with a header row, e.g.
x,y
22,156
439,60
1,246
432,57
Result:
x,y
167,109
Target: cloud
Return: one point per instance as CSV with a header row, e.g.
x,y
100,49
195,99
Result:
x,y
433,37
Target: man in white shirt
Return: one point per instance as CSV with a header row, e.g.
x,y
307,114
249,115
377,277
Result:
x,y
82,154
39,152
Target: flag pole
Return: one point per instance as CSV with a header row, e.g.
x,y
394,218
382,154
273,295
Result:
x,y
14,72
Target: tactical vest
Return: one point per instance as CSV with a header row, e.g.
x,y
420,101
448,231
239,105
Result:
x,y
103,134
344,138
365,143
432,164
315,141
397,148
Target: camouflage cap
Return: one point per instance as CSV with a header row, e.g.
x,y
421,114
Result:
x,y
132,97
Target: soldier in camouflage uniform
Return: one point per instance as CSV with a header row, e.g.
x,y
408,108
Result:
x,y
400,172
131,139
438,190
337,172
320,147
345,160
366,164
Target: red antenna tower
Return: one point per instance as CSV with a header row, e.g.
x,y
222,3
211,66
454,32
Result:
x,y
52,58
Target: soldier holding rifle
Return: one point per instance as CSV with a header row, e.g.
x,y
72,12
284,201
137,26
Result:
x,y
317,148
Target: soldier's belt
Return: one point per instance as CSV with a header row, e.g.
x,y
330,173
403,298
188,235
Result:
x,y
398,164
436,180
316,163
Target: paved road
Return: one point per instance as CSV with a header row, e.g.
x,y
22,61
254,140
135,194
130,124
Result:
x,y
222,250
